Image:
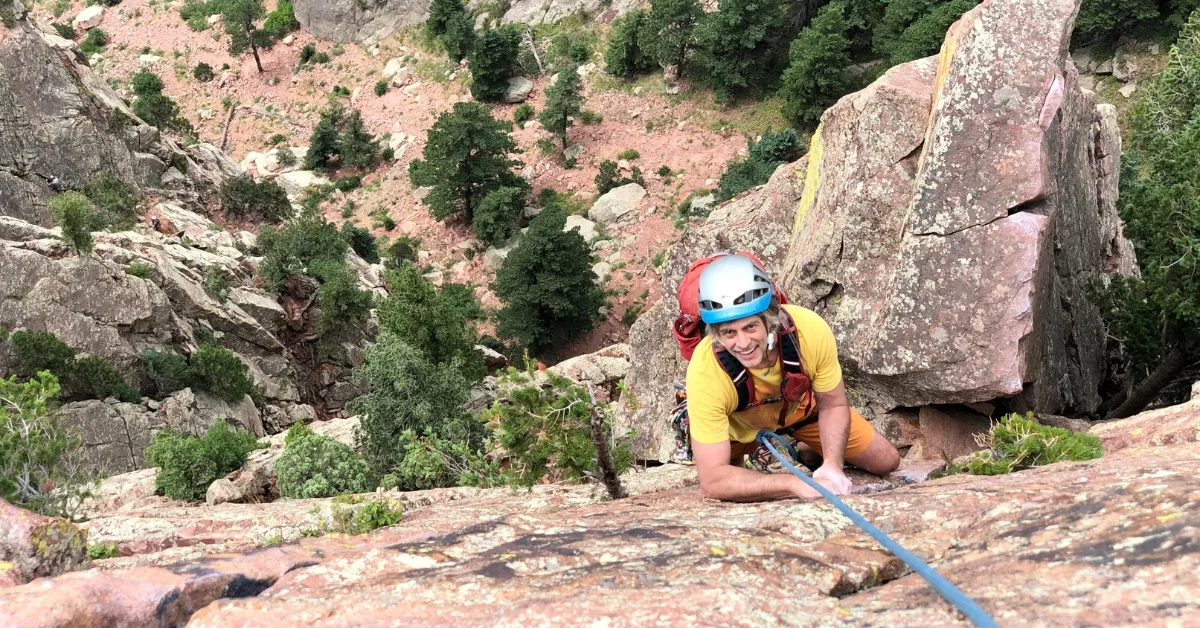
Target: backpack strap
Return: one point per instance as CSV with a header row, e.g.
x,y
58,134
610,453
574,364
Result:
x,y
796,385
739,375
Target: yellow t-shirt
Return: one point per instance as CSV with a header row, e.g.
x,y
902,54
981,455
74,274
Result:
x,y
712,398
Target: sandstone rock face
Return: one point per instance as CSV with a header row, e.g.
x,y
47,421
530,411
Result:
x,y
762,217
90,17
542,12
616,203
364,22
61,120
951,249
1095,533
600,371
33,546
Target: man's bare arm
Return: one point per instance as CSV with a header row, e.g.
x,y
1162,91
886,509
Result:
x,y
834,409
721,480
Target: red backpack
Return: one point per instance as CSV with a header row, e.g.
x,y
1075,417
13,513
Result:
x,y
689,331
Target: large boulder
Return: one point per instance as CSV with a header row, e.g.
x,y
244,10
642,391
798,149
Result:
x,y
616,202
518,89
33,546
61,120
952,217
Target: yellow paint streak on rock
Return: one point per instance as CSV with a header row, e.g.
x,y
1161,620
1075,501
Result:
x,y
6,566
1137,431
812,178
717,551
1169,517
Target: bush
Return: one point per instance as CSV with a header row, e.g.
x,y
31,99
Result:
x,y
588,117
66,31
924,36
1017,442
432,462
92,377
361,240
348,183
188,465
203,72
668,33
243,196
737,46
307,53
381,87
772,150
342,304
216,284
291,250
497,214
75,215
547,286
39,468
153,107
547,432
321,57
313,465
624,57
609,177
404,249
325,142
1107,20
492,62
114,199
370,515
285,157
816,74
281,21
408,392
94,42
138,269
423,318
168,370
358,147
523,113
629,154
38,351
219,371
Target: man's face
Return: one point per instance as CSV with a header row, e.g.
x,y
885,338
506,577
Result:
x,y
746,339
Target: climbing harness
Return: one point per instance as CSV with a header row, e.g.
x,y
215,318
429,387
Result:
x,y
948,591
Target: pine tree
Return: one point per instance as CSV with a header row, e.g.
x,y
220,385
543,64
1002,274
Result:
x,y
816,76
496,218
74,213
667,36
450,23
736,45
492,60
417,313
549,291
358,147
624,56
564,100
240,17
325,142
466,156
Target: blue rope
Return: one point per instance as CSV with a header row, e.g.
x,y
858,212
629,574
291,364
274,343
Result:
x,y
943,586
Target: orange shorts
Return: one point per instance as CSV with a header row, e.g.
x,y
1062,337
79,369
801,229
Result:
x,y
860,437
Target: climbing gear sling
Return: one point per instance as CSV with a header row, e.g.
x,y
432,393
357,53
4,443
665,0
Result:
x,y
948,591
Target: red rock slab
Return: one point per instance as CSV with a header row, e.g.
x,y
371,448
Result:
x,y
1166,426
35,546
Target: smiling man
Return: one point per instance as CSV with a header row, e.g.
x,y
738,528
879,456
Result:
x,y
769,366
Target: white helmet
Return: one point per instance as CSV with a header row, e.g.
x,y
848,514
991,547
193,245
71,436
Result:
x,y
733,287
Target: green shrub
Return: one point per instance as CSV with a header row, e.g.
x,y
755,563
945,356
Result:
x,y
367,516
609,177
38,351
433,462
496,217
738,46
281,21
523,113
492,62
114,199
816,74
587,117
313,465
75,215
381,87
155,108
321,57
361,240
547,432
277,139
772,150
624,57
629,154
66,31
216,284
219,371
403,249
243,196
664,171
342,304
307,53
188,465
291,250
102,551
36,449
408,392
92,377
348,183
1017,442
424,318
285,157
168,370
203,72
358,147
94,42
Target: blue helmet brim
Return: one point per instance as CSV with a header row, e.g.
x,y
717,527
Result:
x,y
726,314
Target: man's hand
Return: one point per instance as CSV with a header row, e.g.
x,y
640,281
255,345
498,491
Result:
x,y
833,478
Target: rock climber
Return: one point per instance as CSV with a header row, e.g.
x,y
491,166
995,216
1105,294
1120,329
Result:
x,y
789,355
55,184
154,222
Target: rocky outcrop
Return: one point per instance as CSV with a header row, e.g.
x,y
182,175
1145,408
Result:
x,y
33,546
951,218
1093,532
61,120
762,217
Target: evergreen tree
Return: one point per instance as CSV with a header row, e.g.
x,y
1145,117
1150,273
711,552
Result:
x,y
816,76
74,213
668,34
624,56
325,141
492,60
496,218
564,100
341,302
736,45
240,17
913,29
153,107
358,147
549,291
466,156
416,313
450,23
291,251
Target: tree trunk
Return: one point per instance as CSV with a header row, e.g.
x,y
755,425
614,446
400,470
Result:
x,y
257,61
604,459
1146,390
